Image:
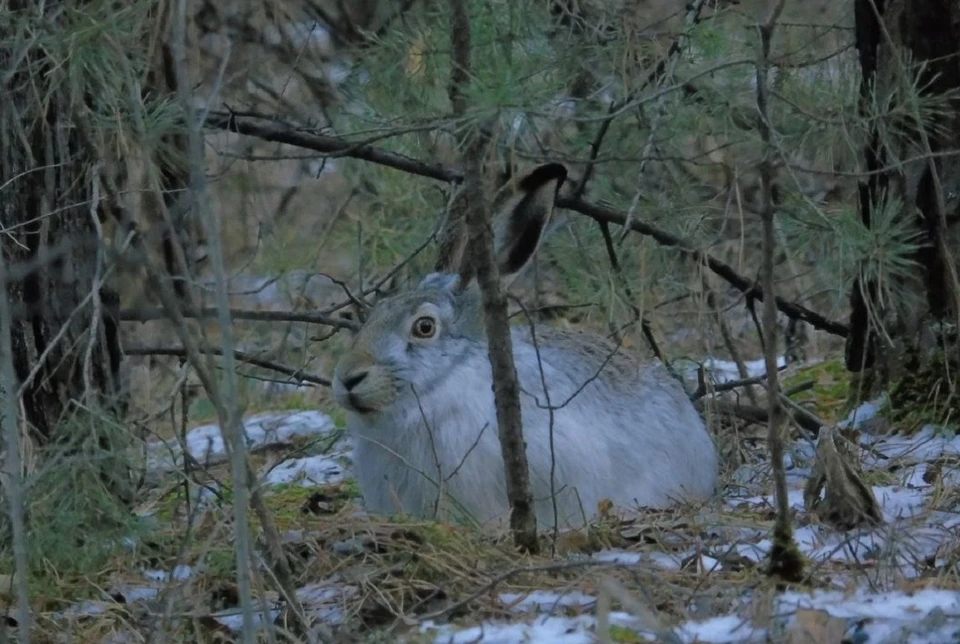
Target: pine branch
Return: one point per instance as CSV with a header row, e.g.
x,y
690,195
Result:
x,y
299,375
148,314
334,147
270,130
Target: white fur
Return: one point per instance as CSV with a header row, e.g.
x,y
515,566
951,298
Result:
x,y
641,443
427,440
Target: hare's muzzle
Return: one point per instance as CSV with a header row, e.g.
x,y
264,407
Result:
x,y
363,389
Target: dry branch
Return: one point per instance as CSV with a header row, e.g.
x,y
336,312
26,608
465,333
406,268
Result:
x,y
148,314
268,129
299,375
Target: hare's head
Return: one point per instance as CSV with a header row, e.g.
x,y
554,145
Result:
x,y
411,342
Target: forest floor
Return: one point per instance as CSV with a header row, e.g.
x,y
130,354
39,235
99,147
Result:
x,y
694,574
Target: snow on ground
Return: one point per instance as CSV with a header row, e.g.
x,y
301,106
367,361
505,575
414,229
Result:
x,y
205,443
914,535
931,616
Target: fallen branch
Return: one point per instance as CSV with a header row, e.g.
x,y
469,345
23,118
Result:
x,y
757,415
148,314
277,131
299,375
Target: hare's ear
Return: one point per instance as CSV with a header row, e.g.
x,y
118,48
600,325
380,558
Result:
x,y
452,235
520,222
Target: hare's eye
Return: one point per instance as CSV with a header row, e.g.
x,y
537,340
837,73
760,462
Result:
x,y
424,327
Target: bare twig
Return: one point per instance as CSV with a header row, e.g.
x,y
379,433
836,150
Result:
x,y
231,426
11,474
728,342
147,314
742,284
785,560
656,74
693,12
562,566
279,132
296,374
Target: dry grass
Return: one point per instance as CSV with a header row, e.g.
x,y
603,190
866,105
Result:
x,y
390,574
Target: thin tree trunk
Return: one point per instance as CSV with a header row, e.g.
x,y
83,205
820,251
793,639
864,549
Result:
x,y
64,331
907,48
506,388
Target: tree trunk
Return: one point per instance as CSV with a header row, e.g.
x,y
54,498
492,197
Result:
x,y
906,49
47,172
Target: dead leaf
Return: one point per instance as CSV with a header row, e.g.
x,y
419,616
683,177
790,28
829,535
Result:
x,y
848,502
415,63
816,627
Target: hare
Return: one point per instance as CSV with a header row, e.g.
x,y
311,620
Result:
x,y
416,385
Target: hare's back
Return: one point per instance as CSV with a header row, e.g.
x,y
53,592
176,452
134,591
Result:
x,y
582,357
591,373
614,414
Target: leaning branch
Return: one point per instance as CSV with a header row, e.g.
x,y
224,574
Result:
x,y
279,132
271,130
785,560
148,314
742,284
298,375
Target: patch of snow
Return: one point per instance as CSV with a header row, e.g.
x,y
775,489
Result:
x,y
180,573
926,445
205,443
233,619
721,371
666,560
308,472
890,613
618,556
137,593
725,628
88,608
324,600
900,502
541,630
794,497
546,601
931,615
866,411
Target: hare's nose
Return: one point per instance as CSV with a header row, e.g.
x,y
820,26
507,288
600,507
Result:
x,y
354,379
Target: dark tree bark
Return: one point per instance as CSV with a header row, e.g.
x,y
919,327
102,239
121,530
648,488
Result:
x,y
897,42
47,161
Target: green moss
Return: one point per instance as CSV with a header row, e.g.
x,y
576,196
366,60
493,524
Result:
x,y
880,477
925,393
626,635
831,387
350,488
202,410
339,416
221,563
786,561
